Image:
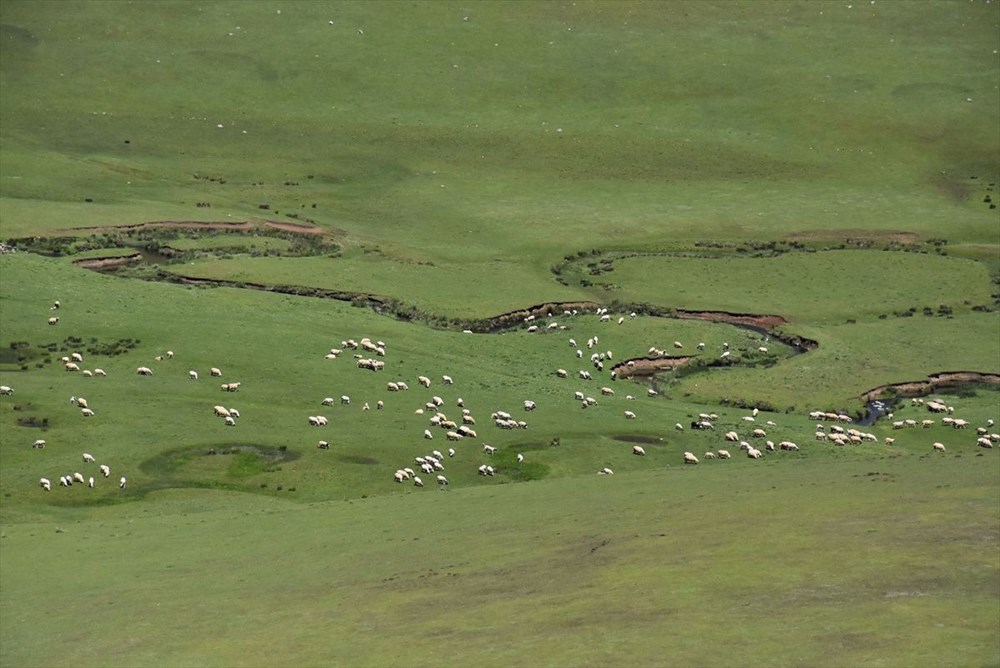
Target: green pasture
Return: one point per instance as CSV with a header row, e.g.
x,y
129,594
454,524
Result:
x,y
834,164
760,564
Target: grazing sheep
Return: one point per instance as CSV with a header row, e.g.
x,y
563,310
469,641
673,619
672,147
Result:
x,y
399,476
214,371
638,450
53,320
651,392
724,454
78,477
379,405
77,357
71,366
984,442
344,399
689,458
441,480
428,435
40,443
754,453
629,415
105,470
889,441
758,433
221,411
520,457
605,471
230,422
5,389
939,446
45,484
562,373
424,380
529,405
732,436
90,482
144,371
447,380
323,445
489,449
607,391
192,374
709,455
417,482
55,305
87,457
235,413
86,412
121,483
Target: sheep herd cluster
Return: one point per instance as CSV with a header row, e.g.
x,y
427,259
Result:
x,y
756,443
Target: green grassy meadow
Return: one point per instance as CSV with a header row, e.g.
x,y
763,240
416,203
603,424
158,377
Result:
x,y
435,166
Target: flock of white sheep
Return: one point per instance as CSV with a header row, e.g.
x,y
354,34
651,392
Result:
x,y
433,419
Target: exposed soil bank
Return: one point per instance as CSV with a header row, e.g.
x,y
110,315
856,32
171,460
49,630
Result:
x,y
99,263
649,366
243,226
934,382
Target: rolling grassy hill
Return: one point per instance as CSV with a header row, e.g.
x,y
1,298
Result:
x,y
833,164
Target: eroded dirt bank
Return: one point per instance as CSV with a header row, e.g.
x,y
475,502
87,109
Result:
x,y
244,226
98,263
933,383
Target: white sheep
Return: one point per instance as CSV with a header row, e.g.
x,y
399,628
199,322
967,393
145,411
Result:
x,y
489,449
40,443
71,366
323,445
441,480
520,458
629,415
144,371
221,411
86,412
428,435
605,471
53,320
78,477
214,371
417,482
689,458
424,380
45,484
192,374
230,422
90,482
638,450
724,454
939,446
447,380
105,470
5,389
121,483
87,457
344,399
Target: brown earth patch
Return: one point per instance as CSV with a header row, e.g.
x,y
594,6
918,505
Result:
x,y
297,228
648,366
934,382
105,262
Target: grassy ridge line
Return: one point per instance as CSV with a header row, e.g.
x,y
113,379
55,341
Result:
x,y
775,555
